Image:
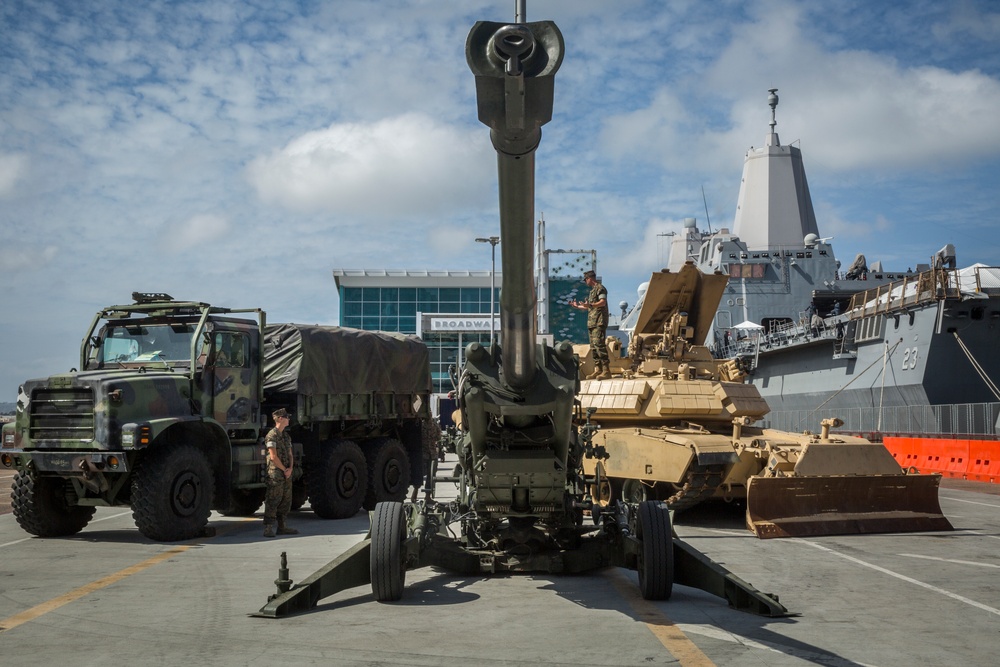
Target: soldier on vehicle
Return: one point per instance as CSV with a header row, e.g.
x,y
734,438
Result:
x,y
278,500
597,325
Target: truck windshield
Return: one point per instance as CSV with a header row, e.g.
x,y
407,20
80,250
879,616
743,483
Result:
x,y
147,342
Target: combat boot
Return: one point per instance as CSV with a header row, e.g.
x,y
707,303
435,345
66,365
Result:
x,y
604,372
595,374
268,530
285,530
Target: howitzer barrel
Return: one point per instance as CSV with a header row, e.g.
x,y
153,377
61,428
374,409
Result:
x,y
515,65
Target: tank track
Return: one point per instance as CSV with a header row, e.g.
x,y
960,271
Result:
x,y
700,484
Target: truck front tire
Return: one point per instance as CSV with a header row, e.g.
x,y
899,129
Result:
x,y
337,481
172,493
41,507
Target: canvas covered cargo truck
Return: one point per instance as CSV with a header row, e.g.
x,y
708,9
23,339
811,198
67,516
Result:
x,y
168,413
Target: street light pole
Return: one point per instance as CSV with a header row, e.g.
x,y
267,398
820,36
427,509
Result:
x,y
493,241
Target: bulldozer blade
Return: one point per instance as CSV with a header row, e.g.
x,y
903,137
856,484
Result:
x,y
844,505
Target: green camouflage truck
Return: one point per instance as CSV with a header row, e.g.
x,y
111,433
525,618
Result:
x,y
169,408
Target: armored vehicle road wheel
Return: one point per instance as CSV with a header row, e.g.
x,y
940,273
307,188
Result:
x,y
634,491
41,507
172,493
388,559
299,495
656,557
388,472
245,502
337,480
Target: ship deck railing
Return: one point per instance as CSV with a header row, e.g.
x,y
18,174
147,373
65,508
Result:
x,y
972,420
933,285
782,335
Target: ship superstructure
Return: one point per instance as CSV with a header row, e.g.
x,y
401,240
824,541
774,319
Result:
x,y
822,339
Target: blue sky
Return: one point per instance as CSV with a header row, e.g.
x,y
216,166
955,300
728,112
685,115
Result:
x,y
236,152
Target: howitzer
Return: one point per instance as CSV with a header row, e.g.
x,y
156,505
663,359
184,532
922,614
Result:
x,y
523,495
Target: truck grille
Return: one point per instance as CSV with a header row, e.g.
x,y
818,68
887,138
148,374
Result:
x,y
62,414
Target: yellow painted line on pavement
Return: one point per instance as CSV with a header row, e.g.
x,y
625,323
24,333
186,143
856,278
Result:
x,y
12,622
666,631
27,615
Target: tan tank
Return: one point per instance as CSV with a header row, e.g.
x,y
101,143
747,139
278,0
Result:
x,y
677,425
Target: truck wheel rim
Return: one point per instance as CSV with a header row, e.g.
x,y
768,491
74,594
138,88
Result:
x,y
391,475
187,493
347,480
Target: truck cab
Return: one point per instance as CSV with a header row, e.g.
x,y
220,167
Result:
x,y
165,410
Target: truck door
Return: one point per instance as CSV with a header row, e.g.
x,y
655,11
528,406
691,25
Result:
x,y
234,382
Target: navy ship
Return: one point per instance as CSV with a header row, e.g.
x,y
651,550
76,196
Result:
x,y
911,351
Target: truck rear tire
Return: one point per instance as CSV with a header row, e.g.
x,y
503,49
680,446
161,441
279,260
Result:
x,y
41,507
244,502
387,562
656,555
388,472
337,480
172,493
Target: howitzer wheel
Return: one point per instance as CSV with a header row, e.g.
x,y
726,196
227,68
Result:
x,y
656,557
388,559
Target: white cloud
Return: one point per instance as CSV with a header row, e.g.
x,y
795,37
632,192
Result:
x,y
27,258
854,109
195,232
12,167
409,165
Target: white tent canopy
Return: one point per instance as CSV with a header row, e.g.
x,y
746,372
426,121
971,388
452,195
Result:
x,y
747,324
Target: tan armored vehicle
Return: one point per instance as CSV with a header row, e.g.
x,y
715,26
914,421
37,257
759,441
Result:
x,y
678,426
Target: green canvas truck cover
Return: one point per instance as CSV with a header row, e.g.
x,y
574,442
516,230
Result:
x,y
311,360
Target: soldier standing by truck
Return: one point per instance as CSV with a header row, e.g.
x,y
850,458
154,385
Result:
x,y
278,500
597,325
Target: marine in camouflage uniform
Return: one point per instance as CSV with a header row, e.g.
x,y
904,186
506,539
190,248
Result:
x,y
596,306
278,500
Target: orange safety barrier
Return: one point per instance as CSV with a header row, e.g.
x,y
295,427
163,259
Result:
x,y
977,460
984,461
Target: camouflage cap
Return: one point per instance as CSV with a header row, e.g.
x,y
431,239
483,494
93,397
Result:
x,y
281,413
589,274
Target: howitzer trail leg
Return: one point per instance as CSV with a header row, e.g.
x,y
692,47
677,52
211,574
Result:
x,y
347,571
695,569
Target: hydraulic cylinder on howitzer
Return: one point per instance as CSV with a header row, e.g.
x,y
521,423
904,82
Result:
x,y
515,66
